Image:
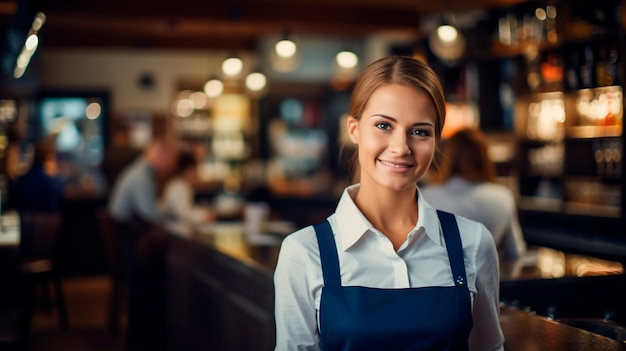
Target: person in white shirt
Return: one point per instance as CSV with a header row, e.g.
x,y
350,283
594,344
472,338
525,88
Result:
x,y
387,271
467,186
177,205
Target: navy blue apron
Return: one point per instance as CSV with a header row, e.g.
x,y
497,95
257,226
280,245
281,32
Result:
x,y
362,318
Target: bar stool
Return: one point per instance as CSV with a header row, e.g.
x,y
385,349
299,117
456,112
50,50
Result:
x,y
39,232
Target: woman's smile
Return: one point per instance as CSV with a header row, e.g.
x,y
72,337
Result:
x,y
397,166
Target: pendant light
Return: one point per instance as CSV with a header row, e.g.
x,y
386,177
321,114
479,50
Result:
x,y
213,88
232,66
285,47
347,59
256,84
447,42
286,55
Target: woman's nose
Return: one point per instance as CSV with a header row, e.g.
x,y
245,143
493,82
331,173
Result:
x,y
399,144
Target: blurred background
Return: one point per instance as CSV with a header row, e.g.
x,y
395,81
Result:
x,y
259,91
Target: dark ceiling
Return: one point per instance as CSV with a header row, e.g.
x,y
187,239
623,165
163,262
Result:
x,y
236,24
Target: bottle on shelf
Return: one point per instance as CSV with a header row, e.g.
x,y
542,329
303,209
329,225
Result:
x,y
611,67
572,78
586,67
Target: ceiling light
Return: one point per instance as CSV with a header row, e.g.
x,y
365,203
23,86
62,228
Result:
x,y
447,33
40,19
232,66
32,42
256,81
347,59
447,43
213,88
285,48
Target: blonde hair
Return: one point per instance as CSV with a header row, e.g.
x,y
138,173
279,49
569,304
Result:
x,y
402,70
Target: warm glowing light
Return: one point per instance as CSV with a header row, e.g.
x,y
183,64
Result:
x,y
286,48
213,88
32,42
347,59
541,14
256,81
39,20
447,33
93,110
232,66
199,99
23,60
184,108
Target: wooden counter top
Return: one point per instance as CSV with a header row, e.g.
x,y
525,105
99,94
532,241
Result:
x,y
524,331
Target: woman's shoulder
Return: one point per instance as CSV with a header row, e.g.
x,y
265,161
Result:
x,y
299,249
302,239
472,231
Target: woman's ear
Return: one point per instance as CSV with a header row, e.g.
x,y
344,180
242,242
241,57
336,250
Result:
x,y
353,130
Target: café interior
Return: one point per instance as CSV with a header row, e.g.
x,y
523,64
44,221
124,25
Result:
x,y
258,91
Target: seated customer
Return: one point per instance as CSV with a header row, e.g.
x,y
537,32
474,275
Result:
x,y
133,205
468,188
118,154
39,190
178,203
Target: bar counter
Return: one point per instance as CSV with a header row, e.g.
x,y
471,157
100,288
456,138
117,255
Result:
x,y
221,293
526,332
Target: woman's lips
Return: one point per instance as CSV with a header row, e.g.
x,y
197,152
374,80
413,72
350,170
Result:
x,y
396,166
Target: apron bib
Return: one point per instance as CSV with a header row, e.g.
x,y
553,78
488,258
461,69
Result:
x,y
362,318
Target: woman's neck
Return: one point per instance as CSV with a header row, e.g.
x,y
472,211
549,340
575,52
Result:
x,y
392,212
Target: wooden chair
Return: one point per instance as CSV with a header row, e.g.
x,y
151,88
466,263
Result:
x,y
39,232
115,259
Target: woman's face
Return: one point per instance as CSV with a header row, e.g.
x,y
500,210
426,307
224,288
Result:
x,y
395,137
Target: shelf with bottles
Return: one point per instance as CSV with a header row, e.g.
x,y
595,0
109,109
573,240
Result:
x,y
592,196
580,114
530,27
599,158
595,113
570,151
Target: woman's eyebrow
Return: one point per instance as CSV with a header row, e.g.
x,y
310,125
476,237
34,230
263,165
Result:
x,y
395,120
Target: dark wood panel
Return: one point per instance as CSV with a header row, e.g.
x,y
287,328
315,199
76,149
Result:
x,y
217,302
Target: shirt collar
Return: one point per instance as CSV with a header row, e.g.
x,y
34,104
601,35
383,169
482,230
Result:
x,y
352,224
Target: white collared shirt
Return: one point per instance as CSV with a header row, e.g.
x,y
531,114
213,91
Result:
x,y
367,258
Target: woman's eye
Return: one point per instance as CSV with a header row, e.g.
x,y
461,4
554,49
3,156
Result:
x,y
420,132
382,125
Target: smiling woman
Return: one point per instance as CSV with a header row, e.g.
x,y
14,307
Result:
x,y
386,254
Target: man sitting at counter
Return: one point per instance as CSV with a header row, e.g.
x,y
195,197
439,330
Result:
x,y
133,206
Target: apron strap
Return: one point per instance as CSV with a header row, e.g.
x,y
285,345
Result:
x,y
328,253
455,247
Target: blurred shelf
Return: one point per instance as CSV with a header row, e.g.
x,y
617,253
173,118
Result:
x,y
592,209
540,204
589,132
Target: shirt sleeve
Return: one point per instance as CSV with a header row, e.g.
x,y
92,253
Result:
x,y
295,312
179,200
486,334
146,199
